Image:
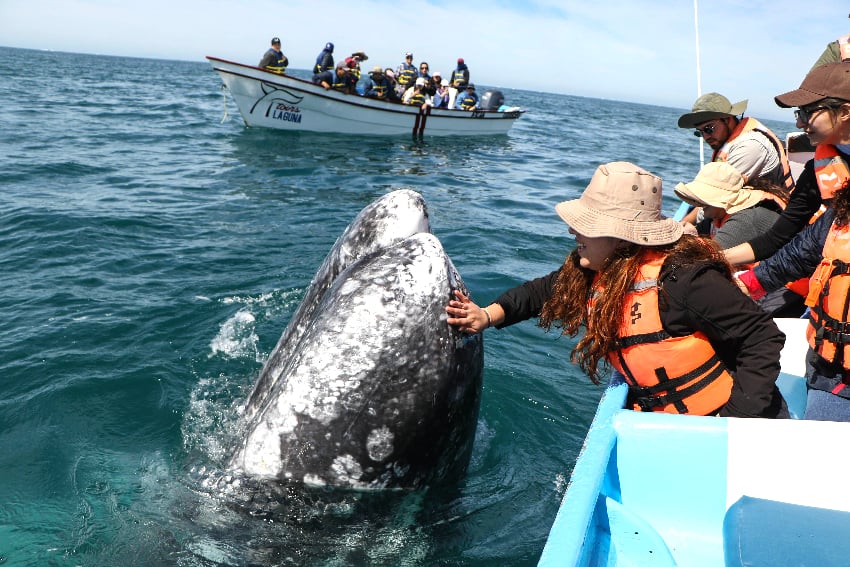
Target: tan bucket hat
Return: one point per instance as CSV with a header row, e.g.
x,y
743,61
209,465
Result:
x,y
718,184
622,201
711,106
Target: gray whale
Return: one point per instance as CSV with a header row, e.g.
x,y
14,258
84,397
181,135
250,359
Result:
x,y
369,387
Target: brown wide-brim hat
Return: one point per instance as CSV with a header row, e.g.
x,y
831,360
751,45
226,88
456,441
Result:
x,y
622,201
826,81
711,106
718,184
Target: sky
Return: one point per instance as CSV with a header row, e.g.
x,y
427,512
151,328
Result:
x,y
631,50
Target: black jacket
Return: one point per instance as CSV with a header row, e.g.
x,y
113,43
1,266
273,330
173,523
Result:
x,y
698,297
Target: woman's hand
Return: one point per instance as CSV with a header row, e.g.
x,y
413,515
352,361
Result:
x,y
466,315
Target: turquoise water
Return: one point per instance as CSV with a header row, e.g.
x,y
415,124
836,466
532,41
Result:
x,y
151,256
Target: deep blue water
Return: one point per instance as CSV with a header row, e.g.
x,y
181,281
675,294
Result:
x,y
152,254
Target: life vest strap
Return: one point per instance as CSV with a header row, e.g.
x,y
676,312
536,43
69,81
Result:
x,y
633,340
647,399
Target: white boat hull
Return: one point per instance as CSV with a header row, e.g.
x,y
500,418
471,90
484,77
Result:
x,y
270,100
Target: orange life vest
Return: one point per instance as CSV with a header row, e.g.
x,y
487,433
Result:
x,y
665,373
828,331
750,125
831,170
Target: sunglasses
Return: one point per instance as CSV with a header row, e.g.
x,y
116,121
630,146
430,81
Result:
x,y
701,132
804,115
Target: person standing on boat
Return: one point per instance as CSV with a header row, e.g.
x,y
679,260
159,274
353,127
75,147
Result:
x,y
406,73
821,250
460,76
274,59
658,305
325,60
745,143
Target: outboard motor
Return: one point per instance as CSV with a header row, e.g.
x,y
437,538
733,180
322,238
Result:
x,y
491,100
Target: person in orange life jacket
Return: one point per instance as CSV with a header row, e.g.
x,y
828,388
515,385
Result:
x,y
336,79
325,60
735,213
274,59
469,100
377,85
829,86
745,143
821,250
658,305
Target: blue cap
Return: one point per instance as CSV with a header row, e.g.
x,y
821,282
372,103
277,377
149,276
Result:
x,y
329,46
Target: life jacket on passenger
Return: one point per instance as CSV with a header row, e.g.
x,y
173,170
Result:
x,y
831,173
407,74
751,124
418,99
468,102
340,82
665,373
379,88
828,331
279,64
458,79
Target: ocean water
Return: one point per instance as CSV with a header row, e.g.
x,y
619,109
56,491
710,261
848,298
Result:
x,y
153,250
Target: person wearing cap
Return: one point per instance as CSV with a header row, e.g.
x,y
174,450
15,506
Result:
x,y
377,85
416,94
440,99
274,60
406,73
460,76
336,79
654,302
824,91
747,144
736,212
433,83
353,64
325,59
821,250
467,100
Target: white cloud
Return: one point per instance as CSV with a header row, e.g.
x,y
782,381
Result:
x,y
640,51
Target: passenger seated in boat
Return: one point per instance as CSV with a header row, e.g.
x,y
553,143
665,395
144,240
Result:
x,y
735,213
394,93
658,305
838,50
745,143
821,250
336,79
468,100
416,94
274,59
377,85
441,96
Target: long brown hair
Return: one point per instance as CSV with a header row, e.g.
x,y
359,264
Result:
x,y
567,307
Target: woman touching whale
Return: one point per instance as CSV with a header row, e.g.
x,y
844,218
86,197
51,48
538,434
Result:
x,y
656,304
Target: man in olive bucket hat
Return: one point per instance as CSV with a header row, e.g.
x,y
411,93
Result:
x,y
745,143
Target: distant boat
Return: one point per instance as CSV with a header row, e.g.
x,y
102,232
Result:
x,y
655,489
270,100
